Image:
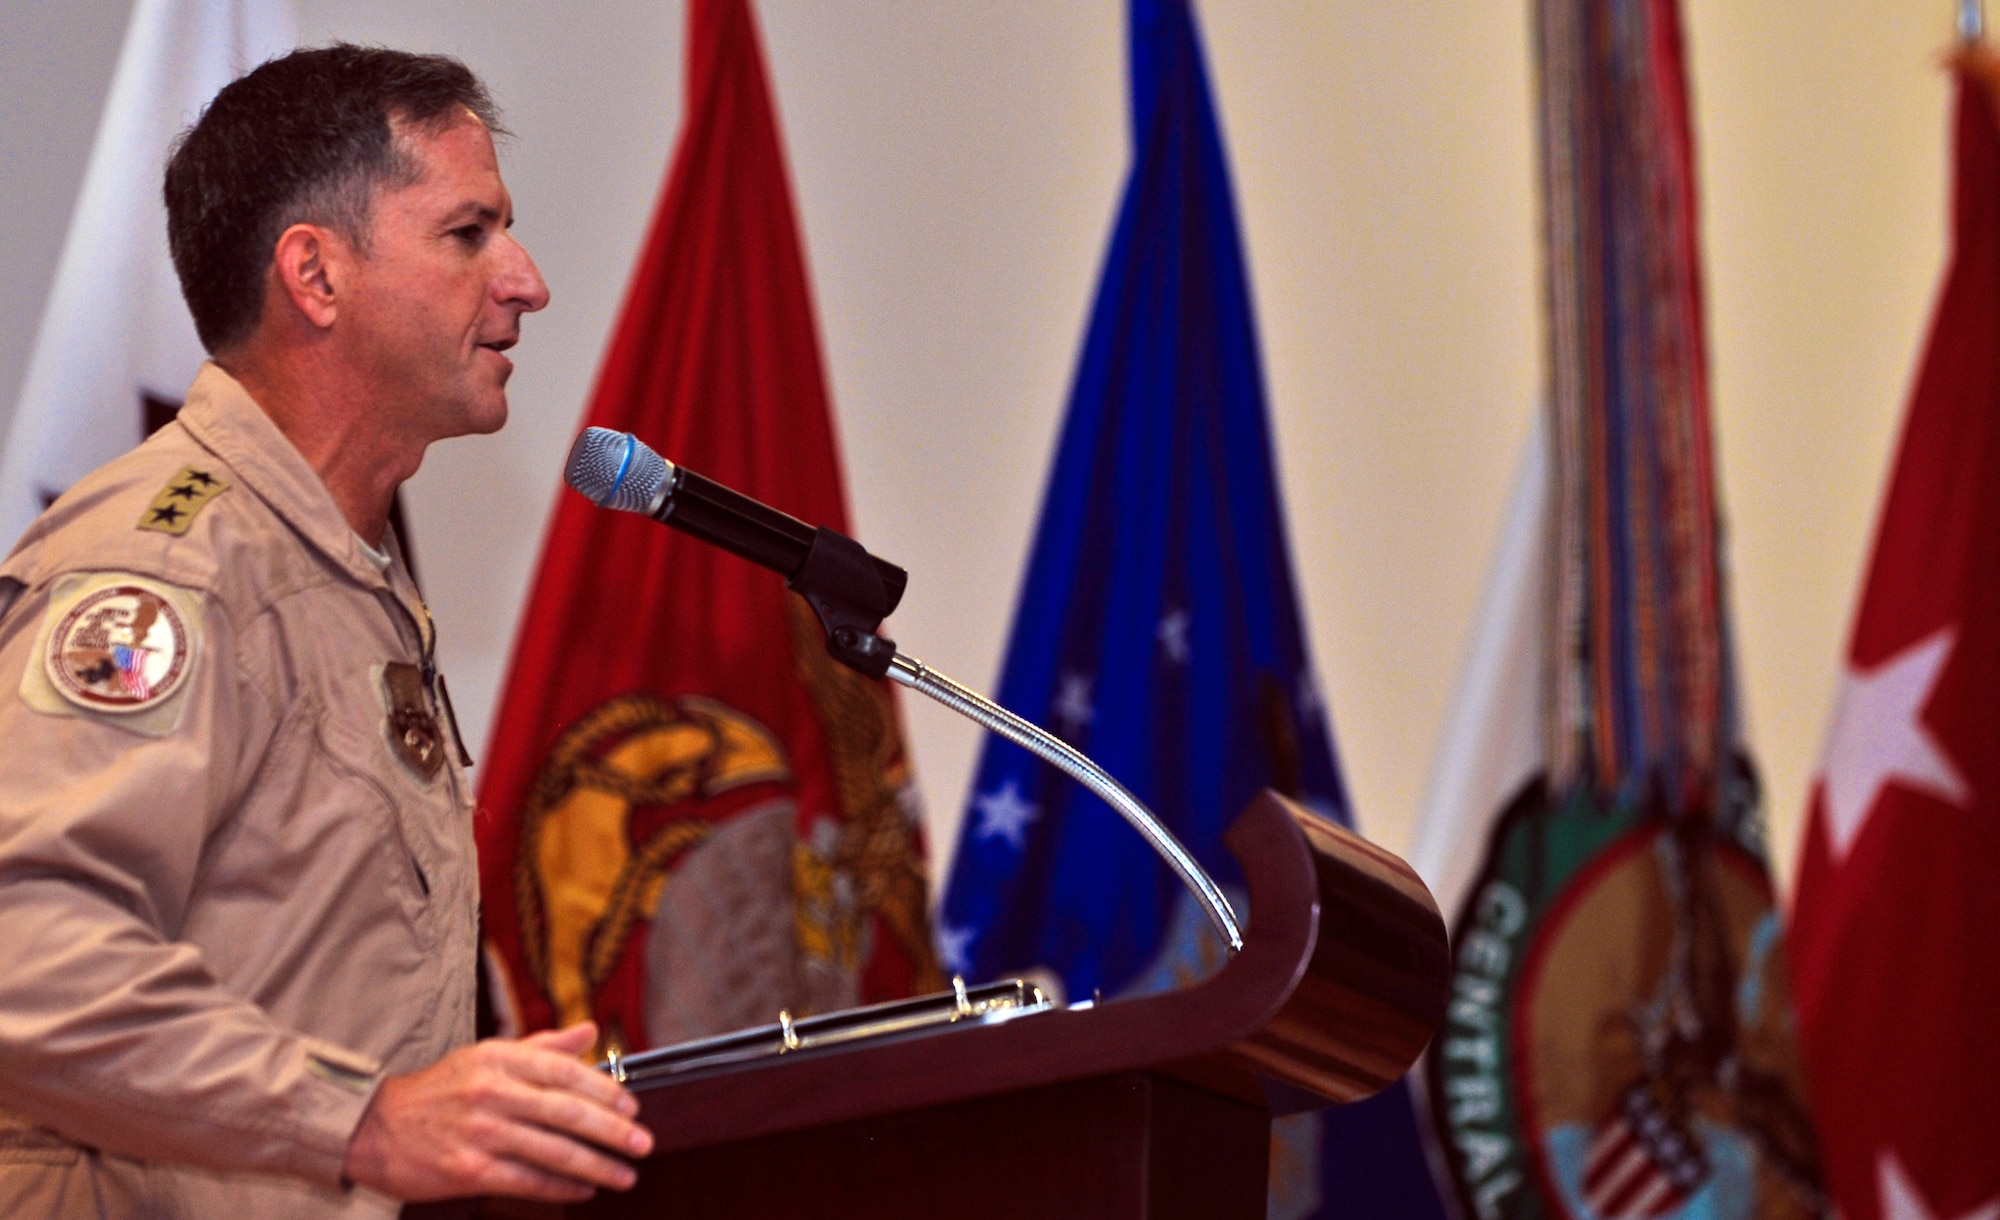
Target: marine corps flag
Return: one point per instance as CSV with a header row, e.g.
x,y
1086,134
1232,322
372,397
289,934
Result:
x,y
1619,1044
1158,630
116,348
1898,907
693,817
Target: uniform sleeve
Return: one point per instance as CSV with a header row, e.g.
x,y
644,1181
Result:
x,y
112,1031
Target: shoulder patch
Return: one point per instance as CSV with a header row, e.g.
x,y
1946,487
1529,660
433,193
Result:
x,y
123,648
185,495
116,644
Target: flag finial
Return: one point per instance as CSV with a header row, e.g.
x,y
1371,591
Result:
x,y
1971,20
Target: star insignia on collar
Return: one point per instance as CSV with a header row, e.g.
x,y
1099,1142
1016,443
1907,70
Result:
x,y
178,503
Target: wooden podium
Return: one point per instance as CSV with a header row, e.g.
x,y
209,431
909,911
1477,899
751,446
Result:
x,y
1153,1107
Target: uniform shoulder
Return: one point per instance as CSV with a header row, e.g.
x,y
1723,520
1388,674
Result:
x,y
170,509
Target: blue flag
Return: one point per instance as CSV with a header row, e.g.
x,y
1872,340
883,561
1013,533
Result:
x,y
1159,632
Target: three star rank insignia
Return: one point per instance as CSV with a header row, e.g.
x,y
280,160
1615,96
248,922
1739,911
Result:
x,y
186,494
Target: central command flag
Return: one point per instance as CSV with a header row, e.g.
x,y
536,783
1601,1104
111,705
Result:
x,y
692,816
1619,1045
1158,630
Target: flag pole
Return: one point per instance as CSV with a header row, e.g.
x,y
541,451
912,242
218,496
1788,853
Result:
x,y
1971,20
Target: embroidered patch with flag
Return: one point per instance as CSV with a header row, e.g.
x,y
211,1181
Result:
x,y
122,648
185,495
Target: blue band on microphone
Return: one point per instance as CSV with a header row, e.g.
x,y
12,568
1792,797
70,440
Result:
x,y
631,447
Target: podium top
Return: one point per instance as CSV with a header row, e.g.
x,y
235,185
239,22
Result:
x,y
1342,979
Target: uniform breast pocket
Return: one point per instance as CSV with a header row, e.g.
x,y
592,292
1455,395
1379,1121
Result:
x,y
355,787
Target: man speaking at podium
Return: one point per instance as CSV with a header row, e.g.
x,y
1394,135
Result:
x,y
236,876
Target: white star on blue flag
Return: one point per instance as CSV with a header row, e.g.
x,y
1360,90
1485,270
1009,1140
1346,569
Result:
x,y
954,946
1073,708
1173,635
1005,814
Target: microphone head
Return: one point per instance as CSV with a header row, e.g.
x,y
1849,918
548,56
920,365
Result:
x,y
616,470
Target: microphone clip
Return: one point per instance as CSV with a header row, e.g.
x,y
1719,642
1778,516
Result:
x,y
843,584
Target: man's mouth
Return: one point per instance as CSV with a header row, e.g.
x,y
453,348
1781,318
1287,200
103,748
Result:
x,y
501,345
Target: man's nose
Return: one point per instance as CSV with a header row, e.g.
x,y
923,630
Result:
x,y
520,284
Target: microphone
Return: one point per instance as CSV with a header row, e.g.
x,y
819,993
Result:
x,y
851,591
618,470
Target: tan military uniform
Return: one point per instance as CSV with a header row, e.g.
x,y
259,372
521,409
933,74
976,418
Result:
x,y
237,881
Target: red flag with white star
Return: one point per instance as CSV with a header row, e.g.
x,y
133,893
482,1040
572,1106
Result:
x,y
1898,908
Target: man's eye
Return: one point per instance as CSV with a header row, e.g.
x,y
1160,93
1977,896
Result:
x,y
470,234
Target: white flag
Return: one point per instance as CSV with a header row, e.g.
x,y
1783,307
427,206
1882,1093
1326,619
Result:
x,y
115,329
1497,739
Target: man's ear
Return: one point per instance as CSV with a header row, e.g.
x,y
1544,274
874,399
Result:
x,y
309,265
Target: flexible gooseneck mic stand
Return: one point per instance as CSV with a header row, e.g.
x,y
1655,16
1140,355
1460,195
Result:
x,y
846,588
851,592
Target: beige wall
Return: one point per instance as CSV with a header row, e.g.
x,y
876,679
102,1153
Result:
x,y
956,168
1824,142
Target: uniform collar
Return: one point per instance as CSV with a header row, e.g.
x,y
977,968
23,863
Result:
x,y
221,415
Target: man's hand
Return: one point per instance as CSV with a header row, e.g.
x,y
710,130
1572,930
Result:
x,y
500,1117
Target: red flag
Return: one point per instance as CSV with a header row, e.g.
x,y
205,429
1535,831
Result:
x,y
691,816
1898,908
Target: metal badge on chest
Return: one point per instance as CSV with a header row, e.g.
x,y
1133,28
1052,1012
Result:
x,y
411,728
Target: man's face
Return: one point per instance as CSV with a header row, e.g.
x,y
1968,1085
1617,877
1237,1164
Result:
x,y
439,296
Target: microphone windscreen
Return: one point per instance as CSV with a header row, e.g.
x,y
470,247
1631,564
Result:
x,y
616,470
